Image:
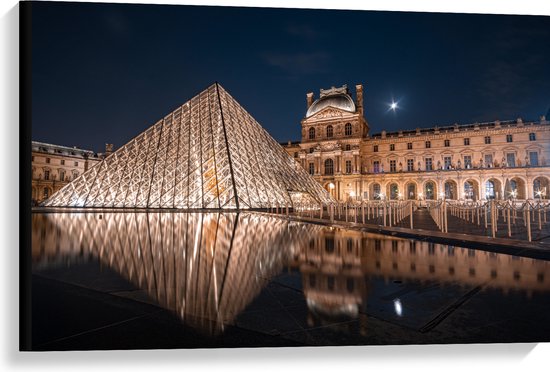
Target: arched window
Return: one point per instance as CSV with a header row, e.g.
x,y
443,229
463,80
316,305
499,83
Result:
x,y
376,191
513,193
450,191
329,167
540,188
311,133
411,191
394,191
46,193
348,129
468,190
429,190
330,131
490,192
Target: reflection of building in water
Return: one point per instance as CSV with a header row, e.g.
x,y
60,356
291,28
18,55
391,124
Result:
x,y
205,267
331,275
209,267
337,265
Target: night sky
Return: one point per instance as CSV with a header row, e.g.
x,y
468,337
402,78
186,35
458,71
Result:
x,y
105,72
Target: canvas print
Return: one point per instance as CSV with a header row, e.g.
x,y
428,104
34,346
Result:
x,y
219,177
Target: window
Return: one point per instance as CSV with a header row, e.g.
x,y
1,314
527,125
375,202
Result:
x,y
487,140
394,195
62,161
449,190
47,175
488,160
429,190
392,147
350,284
76,164
46,193
392,166
32,158
348,147
312,281
376,166
447,143
296,154
490,192
348,166
428,144
429,164
533,158
329,167
409,145
330,131
447,162
375,148
410,165
47,160
61,175
467,161
511,159
532,137
348,129
466,142
311,133
330,283
329,245
311,149
376,194
468,190
509,138
311,168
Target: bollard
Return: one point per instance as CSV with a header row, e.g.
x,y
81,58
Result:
x,y
411,213
528,223
508,220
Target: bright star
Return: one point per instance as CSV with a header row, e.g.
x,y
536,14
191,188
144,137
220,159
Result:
x,y
393,106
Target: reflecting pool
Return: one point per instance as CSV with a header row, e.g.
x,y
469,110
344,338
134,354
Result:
x,y
303,284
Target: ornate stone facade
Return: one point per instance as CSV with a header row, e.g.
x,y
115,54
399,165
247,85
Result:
x,y
501,159
54,166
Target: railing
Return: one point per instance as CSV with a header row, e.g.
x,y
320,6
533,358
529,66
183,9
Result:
x,y
519,220
525,220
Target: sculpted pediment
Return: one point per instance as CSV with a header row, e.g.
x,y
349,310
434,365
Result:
x,y
328,113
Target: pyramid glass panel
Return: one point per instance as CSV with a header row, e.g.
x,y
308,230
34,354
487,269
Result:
x,y
209,153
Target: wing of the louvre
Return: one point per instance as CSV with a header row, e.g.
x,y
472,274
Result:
x,y
208,153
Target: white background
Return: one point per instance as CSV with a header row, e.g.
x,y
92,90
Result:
x,y
495,357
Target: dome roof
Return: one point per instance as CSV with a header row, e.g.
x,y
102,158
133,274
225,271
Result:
x,y
339,101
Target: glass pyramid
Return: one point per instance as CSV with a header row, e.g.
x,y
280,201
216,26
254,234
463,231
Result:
x,y
207,154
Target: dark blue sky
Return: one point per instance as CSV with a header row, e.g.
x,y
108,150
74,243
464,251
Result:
x,y
105,72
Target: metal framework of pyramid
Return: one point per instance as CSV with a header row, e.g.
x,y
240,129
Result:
x,y
209,153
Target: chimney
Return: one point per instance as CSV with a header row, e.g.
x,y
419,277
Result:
x,y
108,149
359,98
309,97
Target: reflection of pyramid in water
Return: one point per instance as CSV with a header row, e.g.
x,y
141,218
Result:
x,y
208,153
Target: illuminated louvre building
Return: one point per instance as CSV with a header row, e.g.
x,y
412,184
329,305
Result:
x,y
479,161
54,166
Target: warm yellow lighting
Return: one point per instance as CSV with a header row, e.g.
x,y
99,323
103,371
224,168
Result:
x,y
331,186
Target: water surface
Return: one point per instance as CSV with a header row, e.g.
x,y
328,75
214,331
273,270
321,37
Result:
x,y
303,283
